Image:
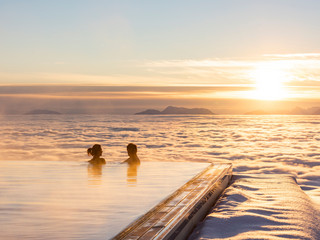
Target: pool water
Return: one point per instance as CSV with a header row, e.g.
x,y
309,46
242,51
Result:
x,y
69,200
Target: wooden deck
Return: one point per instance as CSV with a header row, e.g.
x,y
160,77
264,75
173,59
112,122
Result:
x,y
176,216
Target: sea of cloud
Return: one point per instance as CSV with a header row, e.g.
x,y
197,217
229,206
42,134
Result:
x,y
255,145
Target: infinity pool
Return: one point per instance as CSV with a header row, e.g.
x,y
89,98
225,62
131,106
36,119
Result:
x,y
69,200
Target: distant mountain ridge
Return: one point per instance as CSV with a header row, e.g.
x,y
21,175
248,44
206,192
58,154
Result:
x,y
308,111
176,110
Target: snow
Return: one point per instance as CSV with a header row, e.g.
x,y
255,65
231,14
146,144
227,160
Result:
x,y
262,206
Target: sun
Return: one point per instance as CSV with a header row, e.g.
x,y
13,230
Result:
x,y
269,83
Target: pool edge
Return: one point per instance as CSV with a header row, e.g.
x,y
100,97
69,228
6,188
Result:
x,y
177,215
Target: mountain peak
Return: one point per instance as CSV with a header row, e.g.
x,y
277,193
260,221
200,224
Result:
x,y
177,110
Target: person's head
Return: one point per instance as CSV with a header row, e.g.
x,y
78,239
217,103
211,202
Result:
x,y
132,149
95,150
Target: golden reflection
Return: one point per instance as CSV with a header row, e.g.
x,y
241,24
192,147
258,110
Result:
x,y
94,174
132,173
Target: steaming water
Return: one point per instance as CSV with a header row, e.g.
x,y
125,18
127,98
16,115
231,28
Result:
x,y
271,145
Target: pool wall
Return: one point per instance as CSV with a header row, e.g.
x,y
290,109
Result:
x,y
177,215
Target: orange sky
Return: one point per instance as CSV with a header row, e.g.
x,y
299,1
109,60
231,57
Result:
x,y
208,51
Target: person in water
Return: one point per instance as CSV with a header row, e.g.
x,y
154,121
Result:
x,y
96,151
132,153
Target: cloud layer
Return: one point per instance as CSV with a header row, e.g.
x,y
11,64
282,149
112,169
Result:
x,y
300,69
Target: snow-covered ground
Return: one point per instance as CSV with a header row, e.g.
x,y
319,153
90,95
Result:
x,y
262,206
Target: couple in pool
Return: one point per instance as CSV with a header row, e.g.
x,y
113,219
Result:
x,y
96,151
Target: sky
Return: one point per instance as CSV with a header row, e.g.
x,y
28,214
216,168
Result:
x,y
159,52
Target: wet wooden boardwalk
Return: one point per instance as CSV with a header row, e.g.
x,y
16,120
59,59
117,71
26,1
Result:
x,y
176,216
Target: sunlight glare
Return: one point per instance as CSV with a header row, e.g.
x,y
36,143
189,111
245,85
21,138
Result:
x,y
269,83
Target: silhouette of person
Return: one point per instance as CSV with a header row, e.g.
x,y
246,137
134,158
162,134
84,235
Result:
x,y
132,153
96,151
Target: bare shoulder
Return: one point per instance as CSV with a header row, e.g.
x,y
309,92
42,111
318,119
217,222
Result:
x,y
97,161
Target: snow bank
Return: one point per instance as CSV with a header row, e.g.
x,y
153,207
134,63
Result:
x,y
262,206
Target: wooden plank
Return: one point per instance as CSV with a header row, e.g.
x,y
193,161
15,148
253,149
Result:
x,y
176,216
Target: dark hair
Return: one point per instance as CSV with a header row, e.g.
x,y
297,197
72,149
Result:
x,y
94,150
131,148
